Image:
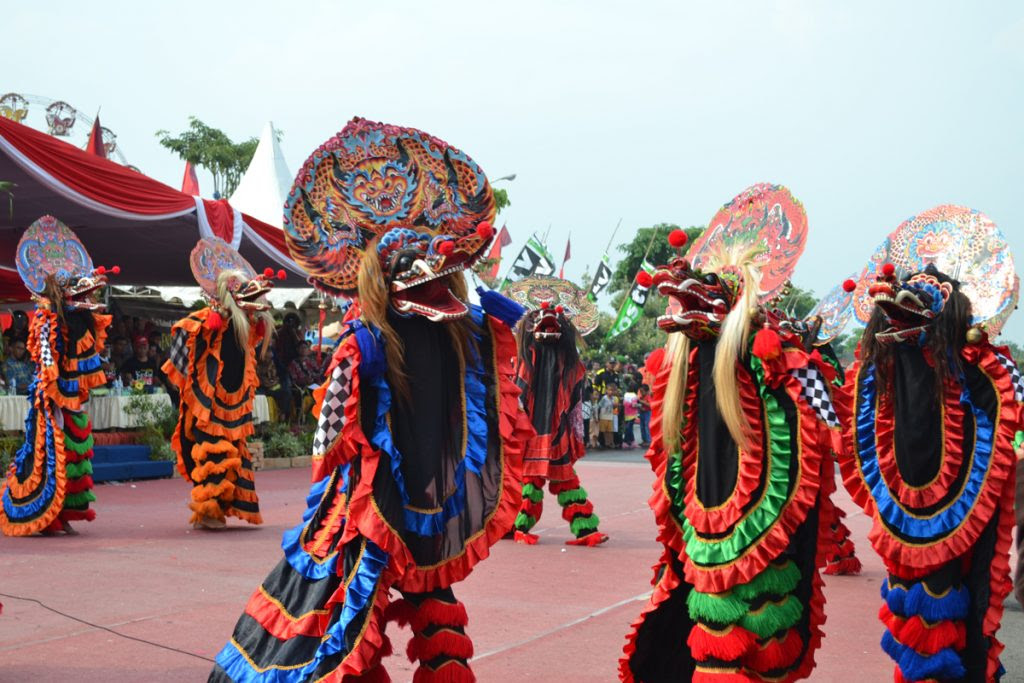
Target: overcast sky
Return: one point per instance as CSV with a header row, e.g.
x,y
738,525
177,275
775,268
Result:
x,y
646,111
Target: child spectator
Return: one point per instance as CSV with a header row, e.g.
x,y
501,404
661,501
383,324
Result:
x,y
607,409
644,414
630,409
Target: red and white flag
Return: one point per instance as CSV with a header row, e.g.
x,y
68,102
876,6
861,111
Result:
x,y
190,183
568,254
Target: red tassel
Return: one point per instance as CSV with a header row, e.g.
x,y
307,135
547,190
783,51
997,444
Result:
x,y
375,675
399,611
767,344
777,653
449,672
928,640
444,642
438,613
727,646
214,321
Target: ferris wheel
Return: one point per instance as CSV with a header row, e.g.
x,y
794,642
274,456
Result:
x,y
60,119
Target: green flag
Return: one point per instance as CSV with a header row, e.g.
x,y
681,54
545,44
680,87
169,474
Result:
x,y
633,307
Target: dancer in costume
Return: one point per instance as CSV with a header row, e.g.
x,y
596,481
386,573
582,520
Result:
x,y
551,377
839,550
49,484
740,445
212,362
418,448
930,419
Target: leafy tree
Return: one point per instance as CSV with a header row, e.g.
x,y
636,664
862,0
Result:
x,y
659,254
212,149
798,301
501,199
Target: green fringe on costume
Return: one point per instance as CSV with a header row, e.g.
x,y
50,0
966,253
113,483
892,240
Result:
x,y
776,579
78,469
79,500
532,493
716,608
580,526
773,617
576,495
524,522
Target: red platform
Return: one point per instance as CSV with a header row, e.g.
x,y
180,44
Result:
x,y
545,613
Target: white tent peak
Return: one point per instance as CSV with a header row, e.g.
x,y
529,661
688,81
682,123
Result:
x,y
262,191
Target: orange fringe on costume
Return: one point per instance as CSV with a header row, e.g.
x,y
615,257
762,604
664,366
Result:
x,y
215,423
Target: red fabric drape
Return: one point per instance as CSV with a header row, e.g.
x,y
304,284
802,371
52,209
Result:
x,y
190,183
97,178
95,144
221,218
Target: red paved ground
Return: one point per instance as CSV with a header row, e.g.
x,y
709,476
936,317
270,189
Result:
x,y
545,613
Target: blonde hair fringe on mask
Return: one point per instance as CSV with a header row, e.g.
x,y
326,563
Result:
x,y
239,318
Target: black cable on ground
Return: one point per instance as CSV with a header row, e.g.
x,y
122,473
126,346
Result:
x,y
108,630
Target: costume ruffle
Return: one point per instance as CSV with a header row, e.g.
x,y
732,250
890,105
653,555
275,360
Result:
x,y
51,477
213,421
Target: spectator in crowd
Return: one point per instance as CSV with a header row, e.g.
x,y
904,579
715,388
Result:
x,y
643,396
606,376
140,368
630,409
108,366
17,330
120,351
587,408
607,414
18,368
304,370
289,336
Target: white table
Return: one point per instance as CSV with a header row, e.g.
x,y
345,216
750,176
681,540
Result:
x,y
107,412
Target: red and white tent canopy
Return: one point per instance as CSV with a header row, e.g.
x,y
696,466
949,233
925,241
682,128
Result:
x,y
122,217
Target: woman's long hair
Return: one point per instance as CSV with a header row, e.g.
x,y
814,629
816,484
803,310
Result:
x,y
374,303
945,338
239,317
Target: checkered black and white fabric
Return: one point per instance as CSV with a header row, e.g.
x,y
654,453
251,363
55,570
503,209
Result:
x,y
816,392
332,410
45,352
1016,378
179,351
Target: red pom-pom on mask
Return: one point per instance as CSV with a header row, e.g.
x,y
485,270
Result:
x,y
446,248
281,275
888,269
268,272
545,305
485,229
116,270
644,279
214,321
101,270
559,309
677,238
849,285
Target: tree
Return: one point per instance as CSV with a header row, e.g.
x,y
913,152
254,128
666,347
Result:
x,y
797,302
7,188
644,336
212,149
501,199
659,254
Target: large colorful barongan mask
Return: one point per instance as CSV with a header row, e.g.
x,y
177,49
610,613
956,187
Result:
x,y
551,301
223,273
424,206
912,305
55,266
764,224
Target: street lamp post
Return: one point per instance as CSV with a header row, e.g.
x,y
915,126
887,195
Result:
x,y
510,176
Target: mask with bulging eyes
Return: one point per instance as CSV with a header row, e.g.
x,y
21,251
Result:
x,y
699,301
912,305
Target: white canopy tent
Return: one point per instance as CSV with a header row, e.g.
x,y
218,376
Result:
x,y
279,297
263,189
